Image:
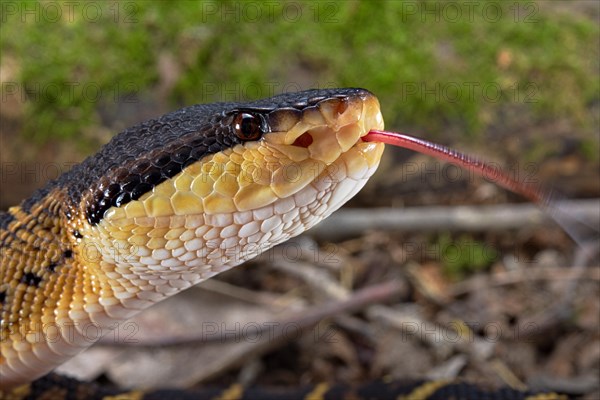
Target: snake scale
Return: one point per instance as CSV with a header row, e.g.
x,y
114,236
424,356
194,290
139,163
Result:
x,y
165,205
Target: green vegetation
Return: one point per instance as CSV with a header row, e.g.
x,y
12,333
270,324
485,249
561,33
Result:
x,y
434,66
463,256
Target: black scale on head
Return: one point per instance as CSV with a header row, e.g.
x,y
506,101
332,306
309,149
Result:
x,y
143,156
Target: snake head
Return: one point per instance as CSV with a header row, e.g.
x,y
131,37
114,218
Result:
x,y
255,175
311,137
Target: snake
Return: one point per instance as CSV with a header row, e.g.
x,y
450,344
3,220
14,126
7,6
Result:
x,y
167,204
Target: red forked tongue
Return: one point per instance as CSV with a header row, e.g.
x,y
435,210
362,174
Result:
x,y
571,223
488,171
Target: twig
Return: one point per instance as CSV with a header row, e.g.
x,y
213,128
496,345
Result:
x,y
350,222
206,361
313,276
411,324
507,376
300,320
443,339
237,292
518,276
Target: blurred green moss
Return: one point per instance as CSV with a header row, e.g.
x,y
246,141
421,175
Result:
x,y
433,65
463,256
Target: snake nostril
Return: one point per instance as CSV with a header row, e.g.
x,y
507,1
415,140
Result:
x,y
303,140
342,106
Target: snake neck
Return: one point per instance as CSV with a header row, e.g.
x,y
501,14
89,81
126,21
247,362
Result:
x,y
36,252
40,276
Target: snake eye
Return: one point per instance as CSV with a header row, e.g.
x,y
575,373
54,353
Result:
x,y
248,127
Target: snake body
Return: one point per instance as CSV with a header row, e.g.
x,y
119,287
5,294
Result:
x,y
57,387
167,204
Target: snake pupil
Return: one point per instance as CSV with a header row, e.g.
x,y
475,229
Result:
x,y
247,127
